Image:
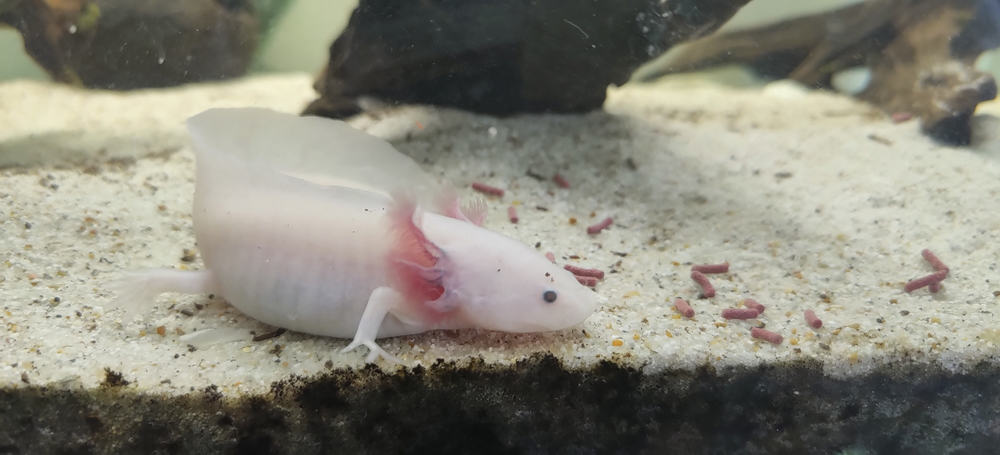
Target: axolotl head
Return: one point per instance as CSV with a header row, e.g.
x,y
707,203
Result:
x,y
498,283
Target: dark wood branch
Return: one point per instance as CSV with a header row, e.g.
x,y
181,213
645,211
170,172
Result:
x,y
920,54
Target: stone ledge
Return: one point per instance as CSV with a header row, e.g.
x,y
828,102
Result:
x,y
534,406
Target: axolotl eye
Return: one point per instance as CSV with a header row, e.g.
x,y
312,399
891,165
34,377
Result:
x,y
549,296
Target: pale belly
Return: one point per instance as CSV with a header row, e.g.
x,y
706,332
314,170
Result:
x,y
304,260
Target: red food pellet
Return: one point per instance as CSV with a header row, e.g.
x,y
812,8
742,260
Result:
x,y
551,257
597,228
812,320
766,335
588,281
580,271
933,260
512,214
902,116
739,313
487,189
706,287
754,305
927,280
561,181
684,308
711,268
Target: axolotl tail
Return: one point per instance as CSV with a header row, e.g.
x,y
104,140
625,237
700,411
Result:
x,y
136,292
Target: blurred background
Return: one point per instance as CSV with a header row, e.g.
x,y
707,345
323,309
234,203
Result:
x,y
301,35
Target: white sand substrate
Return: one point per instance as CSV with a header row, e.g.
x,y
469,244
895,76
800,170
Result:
x,y
817,202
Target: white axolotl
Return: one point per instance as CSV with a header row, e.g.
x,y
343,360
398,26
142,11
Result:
x,y
309,224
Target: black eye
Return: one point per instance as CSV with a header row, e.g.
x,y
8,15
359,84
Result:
x,y
549,296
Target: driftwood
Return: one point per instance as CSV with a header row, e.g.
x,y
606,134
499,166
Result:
x,y
920,53
503,57
125,44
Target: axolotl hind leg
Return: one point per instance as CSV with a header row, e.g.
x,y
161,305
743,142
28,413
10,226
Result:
x,y
136,291
382,301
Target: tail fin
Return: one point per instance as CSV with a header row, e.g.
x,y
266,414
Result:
x,y
135,292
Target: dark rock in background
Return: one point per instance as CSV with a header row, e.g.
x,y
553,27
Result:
x,y
503,57
128,44
920,52
535,406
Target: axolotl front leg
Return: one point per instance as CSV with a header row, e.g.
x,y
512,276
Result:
x,y
417,272
383,300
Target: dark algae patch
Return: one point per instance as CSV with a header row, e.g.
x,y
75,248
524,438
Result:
x,y
113,379
534,406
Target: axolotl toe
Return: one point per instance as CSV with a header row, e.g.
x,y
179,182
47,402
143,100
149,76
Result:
x,y
309,224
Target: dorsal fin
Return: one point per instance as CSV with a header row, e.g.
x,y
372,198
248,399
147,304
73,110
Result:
x,y
319,150
322,151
